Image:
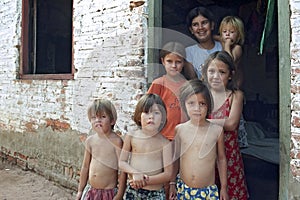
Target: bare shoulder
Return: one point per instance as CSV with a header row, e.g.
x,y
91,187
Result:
x,y
215,130
183,128
238,94
116,139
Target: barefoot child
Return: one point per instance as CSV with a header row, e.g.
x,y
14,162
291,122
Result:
x,y
102,150
147,155
199,146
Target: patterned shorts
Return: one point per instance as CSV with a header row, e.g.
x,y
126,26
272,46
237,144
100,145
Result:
x,y
186,192
142,194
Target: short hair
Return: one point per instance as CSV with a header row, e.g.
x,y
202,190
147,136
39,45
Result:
x,y
144,105
224,57
173,47
237,24
199,11
100,106
192,87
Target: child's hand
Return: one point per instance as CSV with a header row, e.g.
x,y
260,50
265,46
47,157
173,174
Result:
x,y
118,197
78,195
223,194
229,42
172,192
138,180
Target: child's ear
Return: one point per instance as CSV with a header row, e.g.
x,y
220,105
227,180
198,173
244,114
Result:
x,y
112,122
162,61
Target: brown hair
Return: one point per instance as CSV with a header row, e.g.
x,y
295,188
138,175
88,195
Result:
x,y
192,87
100,106
144,105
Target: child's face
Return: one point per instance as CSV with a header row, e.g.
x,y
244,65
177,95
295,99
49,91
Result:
x,y
201,28
228,32
101,123
218,75
196,107
173,64
151,121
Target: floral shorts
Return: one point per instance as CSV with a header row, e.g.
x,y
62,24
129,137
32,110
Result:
x,y
186,192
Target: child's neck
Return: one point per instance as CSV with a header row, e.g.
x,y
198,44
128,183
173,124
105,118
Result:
x,y
176,79
148,133
104,134
199,123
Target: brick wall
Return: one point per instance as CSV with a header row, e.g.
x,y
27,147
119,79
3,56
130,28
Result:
x,y
295,92
42,120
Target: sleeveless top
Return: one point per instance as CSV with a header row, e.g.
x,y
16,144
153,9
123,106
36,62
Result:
x,y
237,189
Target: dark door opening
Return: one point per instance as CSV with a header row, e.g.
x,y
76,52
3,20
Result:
x,y
260,87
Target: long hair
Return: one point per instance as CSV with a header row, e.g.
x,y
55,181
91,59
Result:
x,y
224,57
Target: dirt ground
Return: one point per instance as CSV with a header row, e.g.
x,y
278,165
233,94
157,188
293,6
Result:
x,y
16,184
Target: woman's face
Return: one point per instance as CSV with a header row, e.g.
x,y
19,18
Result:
x,y
202,29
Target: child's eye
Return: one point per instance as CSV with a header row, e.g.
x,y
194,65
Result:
x,y
202,104
191,103
157,113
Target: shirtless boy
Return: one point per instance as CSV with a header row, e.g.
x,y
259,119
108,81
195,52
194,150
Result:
x,y
198,145
102,150
147,155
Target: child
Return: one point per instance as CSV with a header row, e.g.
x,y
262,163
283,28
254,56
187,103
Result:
x,y
198,145
200,22
232,38
218,72
167,87
146,155
102,150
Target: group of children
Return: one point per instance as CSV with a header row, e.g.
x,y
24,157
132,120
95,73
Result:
x,y
186,144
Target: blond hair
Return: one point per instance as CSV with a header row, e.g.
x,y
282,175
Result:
x,y
237,24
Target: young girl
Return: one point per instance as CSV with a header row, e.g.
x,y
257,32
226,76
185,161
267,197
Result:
x,y
146,155
167,87
218,72
232,38
199,143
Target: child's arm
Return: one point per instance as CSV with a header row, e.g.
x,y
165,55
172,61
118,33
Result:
x,y
235,50
122,178
138,177
176,158
84,173
121,186
236,108
222,167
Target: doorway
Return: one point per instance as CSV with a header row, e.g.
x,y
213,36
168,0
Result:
x,y
261,80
